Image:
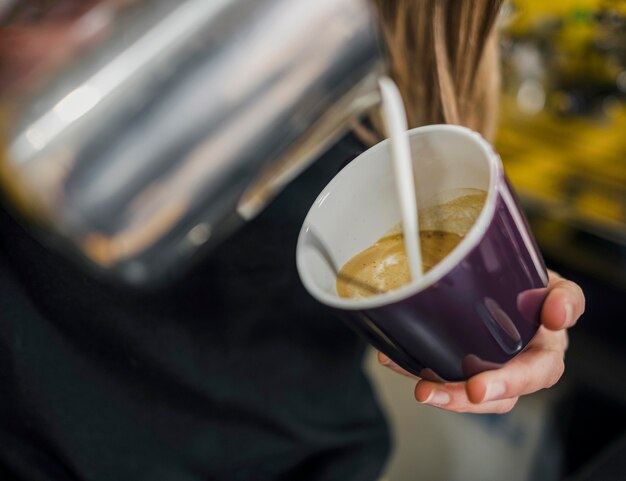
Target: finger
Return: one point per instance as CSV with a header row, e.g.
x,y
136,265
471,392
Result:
x,y
564,304
385,361
536,368
453,397
553,276
548,339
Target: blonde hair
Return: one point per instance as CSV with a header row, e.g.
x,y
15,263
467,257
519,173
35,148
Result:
x,y
443,55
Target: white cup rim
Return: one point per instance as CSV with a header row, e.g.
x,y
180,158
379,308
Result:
x,y
469,242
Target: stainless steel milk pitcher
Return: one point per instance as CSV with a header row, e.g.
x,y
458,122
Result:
x,y
178,121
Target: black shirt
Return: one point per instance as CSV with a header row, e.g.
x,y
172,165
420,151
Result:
x,y
233,373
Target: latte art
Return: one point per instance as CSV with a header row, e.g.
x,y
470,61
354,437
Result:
x,y
384,266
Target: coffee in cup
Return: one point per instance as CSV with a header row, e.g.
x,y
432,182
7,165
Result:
x,y
480,305
384,266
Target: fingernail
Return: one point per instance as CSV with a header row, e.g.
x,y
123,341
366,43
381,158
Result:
x,y
494,391
384,360
438,398
569,315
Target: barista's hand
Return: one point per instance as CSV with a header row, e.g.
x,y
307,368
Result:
x,y
539,366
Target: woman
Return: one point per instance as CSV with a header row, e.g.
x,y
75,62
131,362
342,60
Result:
x,y
235,372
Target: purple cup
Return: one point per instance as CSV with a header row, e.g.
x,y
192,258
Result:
x,y
477,308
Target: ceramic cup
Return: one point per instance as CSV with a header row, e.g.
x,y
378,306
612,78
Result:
x,y
477,308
